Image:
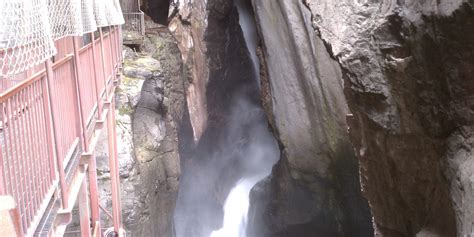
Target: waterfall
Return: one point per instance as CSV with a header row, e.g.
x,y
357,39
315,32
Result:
x,y
262,156
237,149
249,28
236,209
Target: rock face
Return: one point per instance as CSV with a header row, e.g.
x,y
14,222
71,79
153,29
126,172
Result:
x,y
314,190
315,186
220,72
193,48
150,109
408,71
405,69
156,122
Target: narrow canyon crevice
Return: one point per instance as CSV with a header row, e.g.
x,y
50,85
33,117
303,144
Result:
x,y
235,143
315,186
366,105
157,10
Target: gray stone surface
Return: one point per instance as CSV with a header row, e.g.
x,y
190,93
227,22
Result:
x,y
408,75
193,49
407,72
310,112
149,110
315,186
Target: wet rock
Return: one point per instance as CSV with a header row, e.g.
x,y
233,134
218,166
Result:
x,y
314,190
406,68
407,81
219,70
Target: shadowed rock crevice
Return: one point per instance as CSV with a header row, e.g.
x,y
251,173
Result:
x,y
398,73
233,115
157,10
302,94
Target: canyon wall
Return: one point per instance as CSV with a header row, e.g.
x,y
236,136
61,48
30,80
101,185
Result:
x,y
399,74
223,101
314,190
150,107
408,78
315,186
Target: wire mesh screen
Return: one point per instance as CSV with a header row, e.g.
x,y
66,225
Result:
x,y
99,12
28,28
88,18
65,18
113,13
25,35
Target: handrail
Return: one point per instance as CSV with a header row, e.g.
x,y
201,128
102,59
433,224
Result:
x,y
42,72
16,88
85,48
28,126
62,61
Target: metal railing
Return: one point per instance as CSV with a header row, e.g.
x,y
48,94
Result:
x,y
134,22
45,121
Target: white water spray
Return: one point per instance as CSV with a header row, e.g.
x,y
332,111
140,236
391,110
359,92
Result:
x,y
243,151
238,201
236,208
249,28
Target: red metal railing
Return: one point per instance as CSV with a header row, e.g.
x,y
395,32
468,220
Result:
x,y
99,70
65,107
108,61
87,87
28,167
45,120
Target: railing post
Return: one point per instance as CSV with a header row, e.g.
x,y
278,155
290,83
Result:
x,y
97,90
82,128
92,171
84,210
51,124
112,136
93,187
112,48
103,61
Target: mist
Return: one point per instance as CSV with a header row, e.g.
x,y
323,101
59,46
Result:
x,y
249,28
230,159
245,156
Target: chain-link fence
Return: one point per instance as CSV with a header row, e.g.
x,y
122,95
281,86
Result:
x,y
28,28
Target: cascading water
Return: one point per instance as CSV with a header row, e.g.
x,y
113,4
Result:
x,y
238,201
249,28
236,209
237,149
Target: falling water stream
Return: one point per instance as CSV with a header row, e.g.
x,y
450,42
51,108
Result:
x,y
264,156
249,28
237,150
236,209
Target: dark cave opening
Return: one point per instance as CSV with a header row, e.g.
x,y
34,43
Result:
x,y
158,10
